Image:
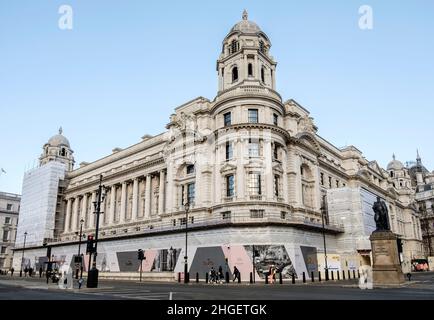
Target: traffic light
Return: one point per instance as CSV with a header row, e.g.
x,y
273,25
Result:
x,y
90,244
141,255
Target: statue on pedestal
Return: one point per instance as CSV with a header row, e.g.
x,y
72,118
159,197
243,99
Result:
x,y
381,215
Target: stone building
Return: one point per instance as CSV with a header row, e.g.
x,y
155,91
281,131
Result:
x,y
422,182
258,178
9,208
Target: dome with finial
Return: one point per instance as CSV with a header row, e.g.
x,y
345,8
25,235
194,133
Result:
x,y
246,26
395,164
58,140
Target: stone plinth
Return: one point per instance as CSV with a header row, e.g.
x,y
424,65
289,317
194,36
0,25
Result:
x,y
386,266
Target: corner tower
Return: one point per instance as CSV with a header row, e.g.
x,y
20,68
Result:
x,y
245,57
58,149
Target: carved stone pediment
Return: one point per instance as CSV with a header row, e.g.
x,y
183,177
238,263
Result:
x,y
228,167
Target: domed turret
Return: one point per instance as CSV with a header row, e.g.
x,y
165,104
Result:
x,y
395,164
246,26
58,140
58,149
245,57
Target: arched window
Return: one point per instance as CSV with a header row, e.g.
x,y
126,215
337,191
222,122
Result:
x,y
250,69
234,74
391,174
263,74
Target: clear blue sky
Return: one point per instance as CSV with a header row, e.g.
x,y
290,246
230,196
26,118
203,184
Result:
x,y
127,64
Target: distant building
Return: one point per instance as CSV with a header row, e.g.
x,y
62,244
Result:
x,y
9,208
423,180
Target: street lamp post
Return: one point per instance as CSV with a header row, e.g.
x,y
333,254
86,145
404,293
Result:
x,y
79,251
323,211
92,278
22,257
187,208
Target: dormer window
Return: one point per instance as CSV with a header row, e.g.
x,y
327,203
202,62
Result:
x,y
234,46
235,74
262,46
63,152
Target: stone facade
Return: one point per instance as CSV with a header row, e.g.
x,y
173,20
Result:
x,y
9,208
252,168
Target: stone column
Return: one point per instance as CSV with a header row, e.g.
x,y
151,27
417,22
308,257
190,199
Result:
x,y
123,203
257,69
162,191
170,191
316,189
217,177
75,218
92,217
285,176
84,211
240,178
68,215
268,171
148,197
112,216
135,208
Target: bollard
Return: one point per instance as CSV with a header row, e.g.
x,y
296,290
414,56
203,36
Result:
x,y
339,275
333,276
197,277
327,275
293,278
349,275
312,276
354,274
358,274
319,276
280,278
251,277
266,278
343,275
188,277
206,277
227,277
304,277
239,277
179,277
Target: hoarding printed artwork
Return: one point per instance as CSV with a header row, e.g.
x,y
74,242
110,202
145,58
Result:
x,y
268,256
207,258
310,258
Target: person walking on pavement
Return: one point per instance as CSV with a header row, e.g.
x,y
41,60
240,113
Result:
x,y
236,274
12,272
40,272
220,275
80,283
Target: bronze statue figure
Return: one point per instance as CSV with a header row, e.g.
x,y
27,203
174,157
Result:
x,y
381,215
